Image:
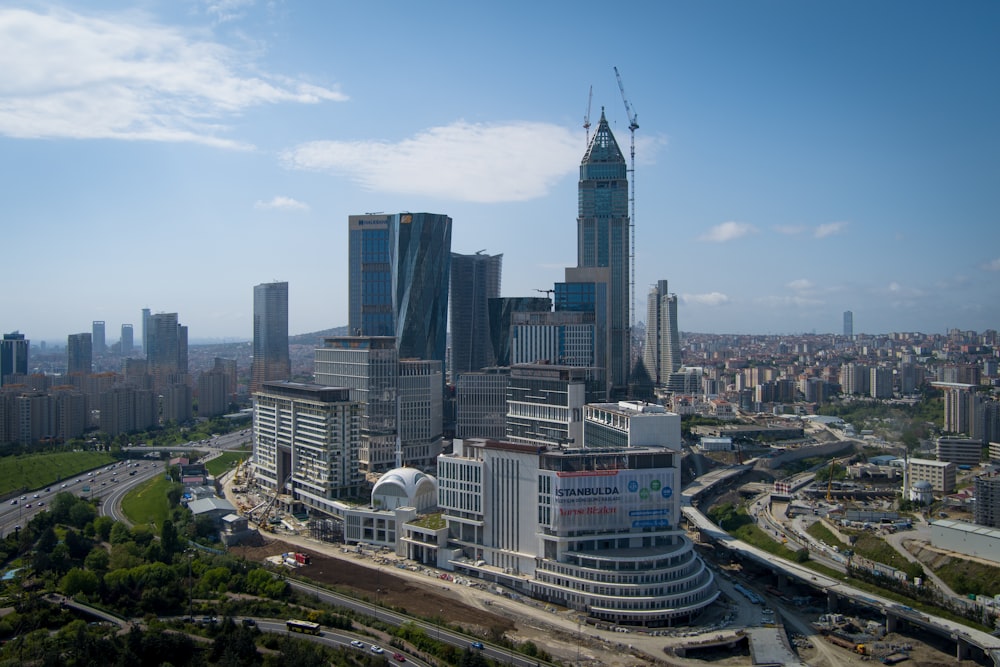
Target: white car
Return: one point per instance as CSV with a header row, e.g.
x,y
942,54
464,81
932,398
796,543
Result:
x,y
357,644
377,649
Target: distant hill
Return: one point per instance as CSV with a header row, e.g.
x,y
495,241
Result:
x,y
316,336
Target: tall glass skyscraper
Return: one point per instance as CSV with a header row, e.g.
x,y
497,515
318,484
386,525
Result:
x,y
848,324
271,361
662,354
167,354
603,241
13,355
475,279
79,354
399,268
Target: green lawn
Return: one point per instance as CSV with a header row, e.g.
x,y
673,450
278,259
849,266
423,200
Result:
x,y
223,463
33,471
148,502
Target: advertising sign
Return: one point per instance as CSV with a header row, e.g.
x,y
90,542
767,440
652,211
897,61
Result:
x,y
614,499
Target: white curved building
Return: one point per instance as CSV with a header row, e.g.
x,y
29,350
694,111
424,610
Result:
x,y
405,487
593,529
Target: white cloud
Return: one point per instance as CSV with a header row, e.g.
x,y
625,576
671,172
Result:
x,y
709,299
280,202
227,10
483,163
122,76
800,285
728,231
829,229
992,266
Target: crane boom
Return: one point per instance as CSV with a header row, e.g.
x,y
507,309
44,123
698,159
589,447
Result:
x,y
586,119
633,125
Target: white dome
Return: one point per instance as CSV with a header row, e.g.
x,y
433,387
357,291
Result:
x,y
405,487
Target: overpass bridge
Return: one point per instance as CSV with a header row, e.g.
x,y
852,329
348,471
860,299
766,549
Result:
x,y
968,641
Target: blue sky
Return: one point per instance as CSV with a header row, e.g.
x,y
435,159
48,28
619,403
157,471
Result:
x,y
793,159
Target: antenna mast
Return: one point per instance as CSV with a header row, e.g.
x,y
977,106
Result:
x,y
633,125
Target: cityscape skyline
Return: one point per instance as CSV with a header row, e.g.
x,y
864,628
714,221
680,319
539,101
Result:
x,y
780,180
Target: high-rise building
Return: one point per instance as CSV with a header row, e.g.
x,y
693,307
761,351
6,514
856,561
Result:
x,y
79,354
127,342
848,324
271,361
963,408
98,339
401,399
145,330
125,409
167,351
399,270
214,393
501,316
545,402
880,382
986,511
13,355
662,353
603,241
475,279
562,337
481,398
306,440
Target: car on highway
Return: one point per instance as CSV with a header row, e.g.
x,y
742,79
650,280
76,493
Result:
x,y
478,645
378,650
13,502
357,644
399,657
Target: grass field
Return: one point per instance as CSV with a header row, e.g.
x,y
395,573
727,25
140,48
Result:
x,y
34,471
148,502
222,464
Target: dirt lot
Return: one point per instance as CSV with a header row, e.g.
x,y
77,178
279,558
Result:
x,y
413,597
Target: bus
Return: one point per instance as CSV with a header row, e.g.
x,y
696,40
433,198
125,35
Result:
x,y
307,627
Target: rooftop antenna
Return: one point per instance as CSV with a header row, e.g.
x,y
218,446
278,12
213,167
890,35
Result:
x,y
633,125
586,119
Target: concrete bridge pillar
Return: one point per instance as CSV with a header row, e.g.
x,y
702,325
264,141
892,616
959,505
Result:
x,y
962,649
831,601
891,622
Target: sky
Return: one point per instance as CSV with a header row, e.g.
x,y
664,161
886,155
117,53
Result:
x,y
793,160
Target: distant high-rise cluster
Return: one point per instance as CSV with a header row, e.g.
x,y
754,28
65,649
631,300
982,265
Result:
x,y
662,352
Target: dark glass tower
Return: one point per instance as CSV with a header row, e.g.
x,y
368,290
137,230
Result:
x,y
502,311
475,279
271,361
399,268
167,355
13,355
79,354
603,241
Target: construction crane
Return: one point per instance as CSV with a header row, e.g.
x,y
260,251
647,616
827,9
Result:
x,y
633,125
586,119
545,291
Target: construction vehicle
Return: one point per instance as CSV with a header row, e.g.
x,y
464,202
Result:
x,y
262,522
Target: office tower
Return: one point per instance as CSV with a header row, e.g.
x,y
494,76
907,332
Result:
x,y
562,337
127,340
167,353
401,399
13,355
545,403
481,399
145,330
270,335
79,354
662,354
848,324
399,269
475,279
560,519
603,241
306,440
99,342
501,315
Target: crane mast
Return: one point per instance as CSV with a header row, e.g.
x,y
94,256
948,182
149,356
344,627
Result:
x,y
633,125
586,119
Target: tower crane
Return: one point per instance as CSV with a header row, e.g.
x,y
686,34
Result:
x,y
633,125
586,119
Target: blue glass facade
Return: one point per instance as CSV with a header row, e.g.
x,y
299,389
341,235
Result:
x,y
399,268
603,241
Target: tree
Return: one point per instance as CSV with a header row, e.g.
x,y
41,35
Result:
x,y
169,544
79,581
